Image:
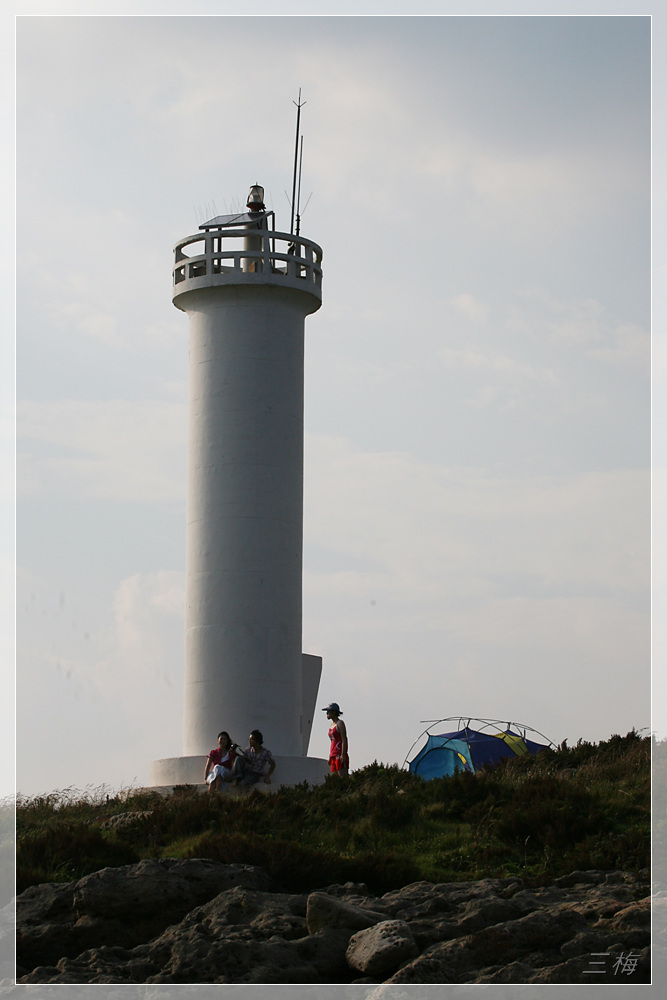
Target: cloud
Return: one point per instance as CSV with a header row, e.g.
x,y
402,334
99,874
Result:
x,y
586,325
628,346
548,347
114,297
433,530
432,590
117,694
555,190
470,308
480,360
141,604
103,449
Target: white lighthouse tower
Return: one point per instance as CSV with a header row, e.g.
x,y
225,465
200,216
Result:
x,y
247,290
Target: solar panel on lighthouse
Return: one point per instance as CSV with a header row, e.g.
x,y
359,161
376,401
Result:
x,y
233,221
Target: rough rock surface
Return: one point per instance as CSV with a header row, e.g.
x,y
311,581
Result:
x,y
126,819
198,921
379,950
119,906
324,910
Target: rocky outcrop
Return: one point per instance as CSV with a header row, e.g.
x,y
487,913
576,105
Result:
x,y
324,910
378,950
503,932
169,921
119,906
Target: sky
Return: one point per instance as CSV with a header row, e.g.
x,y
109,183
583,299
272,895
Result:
x,y
477,412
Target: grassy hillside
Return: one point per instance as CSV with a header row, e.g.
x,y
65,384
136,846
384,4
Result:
x,y
580,807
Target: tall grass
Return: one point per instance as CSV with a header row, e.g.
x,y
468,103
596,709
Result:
x,y
586,806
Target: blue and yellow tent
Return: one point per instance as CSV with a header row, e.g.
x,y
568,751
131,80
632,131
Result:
x,y
469,748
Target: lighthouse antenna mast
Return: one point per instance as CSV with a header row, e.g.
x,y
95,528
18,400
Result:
x,y
299,105
298,191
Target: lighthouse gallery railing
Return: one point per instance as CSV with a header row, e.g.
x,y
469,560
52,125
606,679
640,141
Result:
x,y
274,253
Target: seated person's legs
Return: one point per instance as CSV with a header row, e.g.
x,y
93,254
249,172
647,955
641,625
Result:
x,y
218,771
241,774
217,775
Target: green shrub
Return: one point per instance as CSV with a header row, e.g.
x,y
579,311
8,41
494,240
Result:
x,y
60,852
586,806
294,867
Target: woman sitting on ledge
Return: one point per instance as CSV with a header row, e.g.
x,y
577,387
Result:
x,y
219,763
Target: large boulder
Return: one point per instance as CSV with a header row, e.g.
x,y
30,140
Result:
x,y
240,936
119,906
165,885
551,942
379,950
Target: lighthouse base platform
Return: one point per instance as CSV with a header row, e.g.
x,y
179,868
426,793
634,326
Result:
x,y
290,771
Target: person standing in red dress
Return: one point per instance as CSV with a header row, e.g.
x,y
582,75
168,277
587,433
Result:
x,y
339,761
